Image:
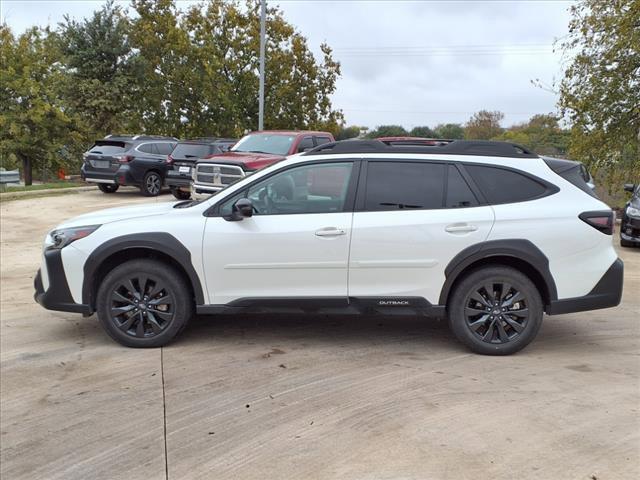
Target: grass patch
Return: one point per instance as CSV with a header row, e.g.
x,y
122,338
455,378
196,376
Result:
x,y
43,186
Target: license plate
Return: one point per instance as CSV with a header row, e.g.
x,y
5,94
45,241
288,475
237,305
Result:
x,y
101,163
184,170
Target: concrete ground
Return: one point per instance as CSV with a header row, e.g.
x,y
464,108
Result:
x,y
302,397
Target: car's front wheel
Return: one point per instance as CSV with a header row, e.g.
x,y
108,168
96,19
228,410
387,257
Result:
x,y
151,184
108,187
495,311
144,303
180,194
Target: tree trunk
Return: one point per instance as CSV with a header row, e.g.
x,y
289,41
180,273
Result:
x,y
27,170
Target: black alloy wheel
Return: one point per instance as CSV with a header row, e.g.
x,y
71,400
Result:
x,y
144,303
495,310
152,184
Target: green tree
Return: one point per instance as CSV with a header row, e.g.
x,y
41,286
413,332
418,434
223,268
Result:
x,y
452,131
388,131
424,132
542,134
349,132
600,91
35,127
100,84
483,125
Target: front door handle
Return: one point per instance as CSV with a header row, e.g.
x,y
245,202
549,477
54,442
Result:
x,y
460,228
330,232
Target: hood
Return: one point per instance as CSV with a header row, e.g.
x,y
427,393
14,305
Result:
x,y
248,160
109,215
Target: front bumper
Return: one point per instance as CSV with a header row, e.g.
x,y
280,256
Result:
x,y
630,230
607,293
57,296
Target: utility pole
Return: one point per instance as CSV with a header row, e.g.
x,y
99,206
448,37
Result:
x,y
263,18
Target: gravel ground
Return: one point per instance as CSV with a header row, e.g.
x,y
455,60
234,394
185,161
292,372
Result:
x,y
313,397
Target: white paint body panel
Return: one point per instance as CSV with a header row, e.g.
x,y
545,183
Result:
x,y
393,253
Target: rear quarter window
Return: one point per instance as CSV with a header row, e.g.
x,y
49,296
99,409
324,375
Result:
x,y
500,185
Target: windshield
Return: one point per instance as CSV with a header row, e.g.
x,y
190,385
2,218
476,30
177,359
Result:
x,y
265,143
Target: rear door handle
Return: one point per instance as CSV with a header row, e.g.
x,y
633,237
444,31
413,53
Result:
x,y
460,228
330,232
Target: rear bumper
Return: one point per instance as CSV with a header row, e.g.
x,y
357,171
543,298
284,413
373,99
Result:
x,y
607,293
57,296
92,175
178,180
630,230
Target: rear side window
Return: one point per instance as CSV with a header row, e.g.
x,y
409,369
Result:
x,y
305,143
459,195
164,148
147,148
505,186
404,185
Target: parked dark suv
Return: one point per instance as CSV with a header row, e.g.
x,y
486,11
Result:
x,y
183,159
630,226
137,160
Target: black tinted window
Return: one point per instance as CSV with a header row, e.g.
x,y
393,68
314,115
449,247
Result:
x,y
399,185
193,150
104,148
164,148
147,148
305,143
459,195
504,186
322,140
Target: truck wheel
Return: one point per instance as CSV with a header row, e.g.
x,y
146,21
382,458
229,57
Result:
x,y
144,303
108,187
180,194
495,311
151,184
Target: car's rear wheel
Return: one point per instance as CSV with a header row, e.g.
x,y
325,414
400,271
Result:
x,y
151,184
495,311
144,303
108,187
180,194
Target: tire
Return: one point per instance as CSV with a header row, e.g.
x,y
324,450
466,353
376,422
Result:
x,y
151,184
108,187
499,323
152,324
180,194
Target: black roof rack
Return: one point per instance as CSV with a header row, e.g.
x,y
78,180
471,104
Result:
x,y
446,147
118,136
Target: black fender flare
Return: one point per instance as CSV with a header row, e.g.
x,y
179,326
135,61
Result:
x,y
161,242
520,249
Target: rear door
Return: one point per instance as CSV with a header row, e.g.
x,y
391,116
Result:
x,y
411,219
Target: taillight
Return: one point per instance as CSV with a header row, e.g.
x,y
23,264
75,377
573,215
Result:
x,y
601,220
169,159
125,158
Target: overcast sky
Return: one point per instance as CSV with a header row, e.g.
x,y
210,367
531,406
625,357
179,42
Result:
x,y
409,62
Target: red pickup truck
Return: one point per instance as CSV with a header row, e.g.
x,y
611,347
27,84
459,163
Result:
x,y
251,153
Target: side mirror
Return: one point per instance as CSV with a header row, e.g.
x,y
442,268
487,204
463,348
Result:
x,y
629,187
243,208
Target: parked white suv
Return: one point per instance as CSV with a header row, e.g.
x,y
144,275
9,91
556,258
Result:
x,y
485,233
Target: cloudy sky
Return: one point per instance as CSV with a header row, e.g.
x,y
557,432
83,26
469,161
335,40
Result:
x,y
412,63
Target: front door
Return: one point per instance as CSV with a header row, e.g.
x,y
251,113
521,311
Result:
x,y
296,244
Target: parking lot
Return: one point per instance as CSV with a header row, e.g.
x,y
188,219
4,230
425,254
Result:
x,y
316,397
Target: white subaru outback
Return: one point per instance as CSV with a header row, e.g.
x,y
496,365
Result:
x,y
487,234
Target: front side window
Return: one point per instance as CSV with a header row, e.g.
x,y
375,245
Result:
x,y
305,144
265,143
404,186
320,188
322,140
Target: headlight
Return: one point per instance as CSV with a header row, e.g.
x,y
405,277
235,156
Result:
x,y
633,212
63,237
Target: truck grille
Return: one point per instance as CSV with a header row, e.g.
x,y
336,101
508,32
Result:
x,y
218,176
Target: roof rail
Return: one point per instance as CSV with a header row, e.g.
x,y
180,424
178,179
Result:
x,y
445,147
138,137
